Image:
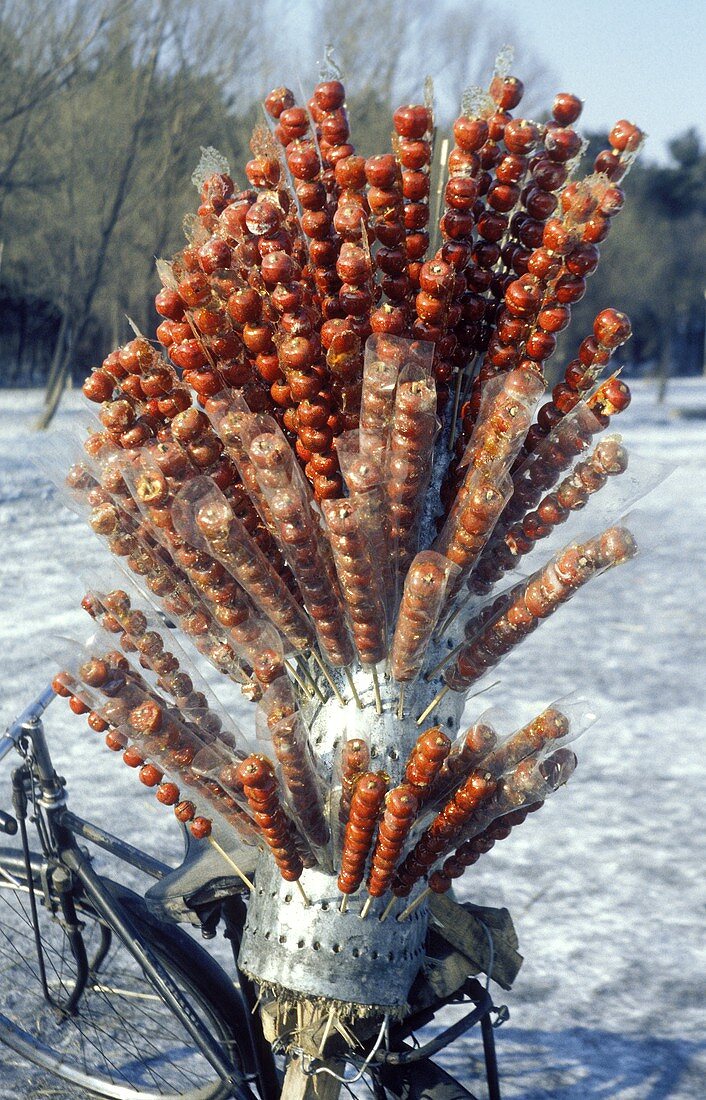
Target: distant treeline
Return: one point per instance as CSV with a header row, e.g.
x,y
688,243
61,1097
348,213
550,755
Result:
x,y
103,109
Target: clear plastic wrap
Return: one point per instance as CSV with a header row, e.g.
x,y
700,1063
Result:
x,y
520,795
524,606
365,482
507,405
409,460
529,782
604,484
283,730
232,608
359,579
137,553
116,609
142,721
351,762
487,774
237,426
302,540
468,529
203,518
384,358
541,469
423,598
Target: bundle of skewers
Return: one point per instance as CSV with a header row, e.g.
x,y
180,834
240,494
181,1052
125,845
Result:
x,y
325,472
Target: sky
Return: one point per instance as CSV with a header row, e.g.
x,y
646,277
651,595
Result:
x,y
639,59
644,60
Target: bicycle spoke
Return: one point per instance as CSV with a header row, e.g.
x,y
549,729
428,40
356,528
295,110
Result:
x,y
189,1080
122,1033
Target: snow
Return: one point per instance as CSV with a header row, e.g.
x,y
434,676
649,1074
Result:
x,y
605,884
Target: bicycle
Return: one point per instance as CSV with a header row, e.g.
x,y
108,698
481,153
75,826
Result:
x,y
110,995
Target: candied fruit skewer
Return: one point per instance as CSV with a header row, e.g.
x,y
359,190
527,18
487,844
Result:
x,y
611,329
571,436
386,202
609,459
535,600
232,608
359,581
292,750
305,548
141,633
156,732
257,776
423,597
327,108
445,827
204,518
409,459
366,808
413,140
531,781
354,762
366,493
465,756
498,818
163,578
399,811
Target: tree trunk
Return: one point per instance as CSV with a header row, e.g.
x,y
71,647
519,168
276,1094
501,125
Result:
x,y
664,369
58,374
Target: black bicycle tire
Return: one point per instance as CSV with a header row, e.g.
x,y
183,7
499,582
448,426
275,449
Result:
x,y
194,969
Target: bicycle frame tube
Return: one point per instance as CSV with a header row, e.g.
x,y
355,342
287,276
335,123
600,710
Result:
x,y
26,723
113,844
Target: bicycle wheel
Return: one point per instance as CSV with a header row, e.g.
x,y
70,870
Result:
x,y
122,1041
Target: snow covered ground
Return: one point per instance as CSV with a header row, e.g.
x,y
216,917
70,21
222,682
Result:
x,y
605,884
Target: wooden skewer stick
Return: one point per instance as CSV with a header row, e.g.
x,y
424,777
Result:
x,y
452,617
304,669
233,864
366,908
297,680
327,1029
351,685
435,702
415,904
388,908
327,678
400,703
300,888
376,689
457,402
443,662
344,903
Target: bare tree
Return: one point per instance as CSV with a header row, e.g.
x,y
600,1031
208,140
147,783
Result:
x,y
82,268
42,47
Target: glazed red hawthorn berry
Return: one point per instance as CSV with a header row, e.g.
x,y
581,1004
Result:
x,y
59,687
612,328
132,757
167,794
150,775
99,386
566,108
200,828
